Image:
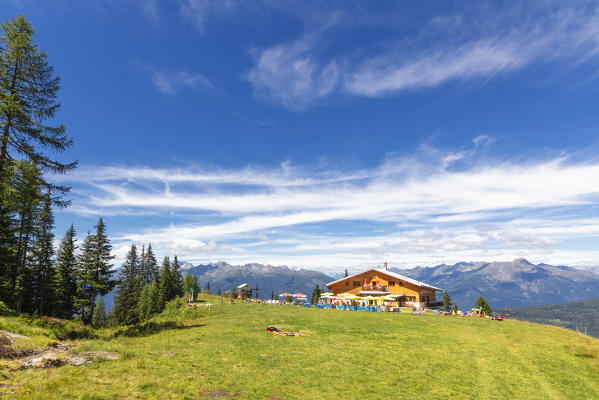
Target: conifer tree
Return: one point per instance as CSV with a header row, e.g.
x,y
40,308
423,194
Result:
x,y
7,237
177,279
272,294
208,287
144,304
446,301
190,285
155,299
315,295
94,271
28,91
42,263
484,306
165,283
129,287
346,274
99,319
151,266
219,291
26,184
142,264
66,270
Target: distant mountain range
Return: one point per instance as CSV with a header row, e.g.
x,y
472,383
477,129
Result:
x,y
581,315
504,284
268,278
509,284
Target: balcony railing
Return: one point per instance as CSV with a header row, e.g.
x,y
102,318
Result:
x,y
372,288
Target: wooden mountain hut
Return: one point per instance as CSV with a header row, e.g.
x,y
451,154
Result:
x,y
379,283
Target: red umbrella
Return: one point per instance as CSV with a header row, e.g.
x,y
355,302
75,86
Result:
x,y
299,295
285,294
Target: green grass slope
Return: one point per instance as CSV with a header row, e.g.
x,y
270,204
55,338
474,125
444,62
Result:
x,y
345,355
581,315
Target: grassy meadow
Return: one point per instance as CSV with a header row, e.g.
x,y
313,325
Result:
x,y
225,352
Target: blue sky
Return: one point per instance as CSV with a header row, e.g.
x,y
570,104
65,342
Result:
x,y
331,134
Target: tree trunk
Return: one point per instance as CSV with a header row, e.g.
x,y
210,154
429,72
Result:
x,y
6,133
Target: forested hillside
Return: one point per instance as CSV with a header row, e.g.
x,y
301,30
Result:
x,y
581,316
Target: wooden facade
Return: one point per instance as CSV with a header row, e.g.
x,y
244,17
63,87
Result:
x,y
379,282
244,291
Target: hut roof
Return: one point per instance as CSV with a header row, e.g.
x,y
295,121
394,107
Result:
x,y
244,286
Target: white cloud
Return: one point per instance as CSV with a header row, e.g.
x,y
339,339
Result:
x,y
289,74
453,205
151,9
173,82
198,11
449,48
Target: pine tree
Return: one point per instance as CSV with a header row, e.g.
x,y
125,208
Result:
x,y
177,279
208,287
66,280
484,306
446,301
151,265
346,274
28,91
94,271
142,265
272,294
219,292
41,260
165,283
128,290
144,304
99,319
315,295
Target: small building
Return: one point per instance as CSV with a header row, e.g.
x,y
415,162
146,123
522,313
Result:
x,y
244,291
379,283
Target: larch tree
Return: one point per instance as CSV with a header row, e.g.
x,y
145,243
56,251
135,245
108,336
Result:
x,y
27,199
144,304
155,298
28,98
99,319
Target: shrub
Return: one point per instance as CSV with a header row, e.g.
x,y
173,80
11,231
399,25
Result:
x,y
144,329
72,330
4,310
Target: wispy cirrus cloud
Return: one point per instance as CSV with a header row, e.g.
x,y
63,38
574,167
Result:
x,y
450,48
198,11
429,206
173,82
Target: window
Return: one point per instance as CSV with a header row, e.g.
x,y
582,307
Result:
x,y
356,283
400,283
391,283
346,283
